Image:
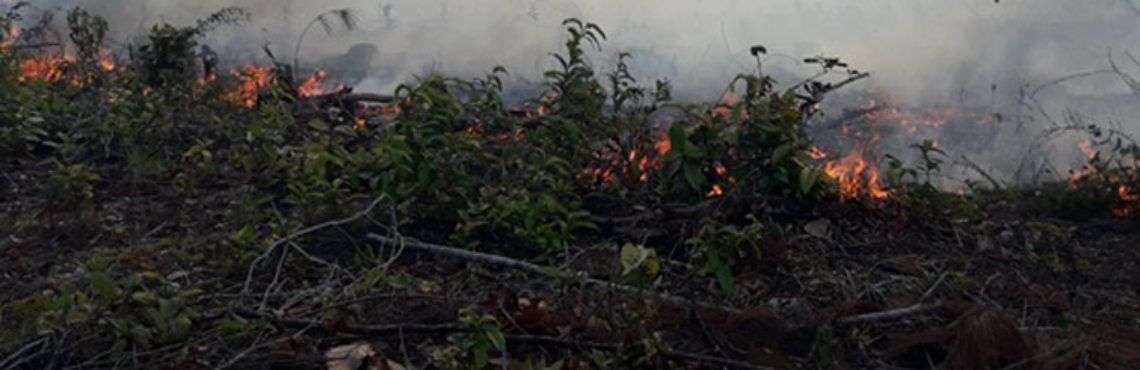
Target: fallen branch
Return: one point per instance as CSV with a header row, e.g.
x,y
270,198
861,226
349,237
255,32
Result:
x,y
452,252
377,330
349,98
918,309
512,339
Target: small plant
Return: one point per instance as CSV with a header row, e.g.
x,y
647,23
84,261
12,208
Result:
x,y
723,247
471,349
577,94
170,56
71,185
930,164
88,33
623,87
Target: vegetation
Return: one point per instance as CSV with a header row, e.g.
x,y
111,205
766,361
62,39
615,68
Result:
x,y
161,213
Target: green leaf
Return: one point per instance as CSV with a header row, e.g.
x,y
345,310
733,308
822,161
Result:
x,y
809,177
496,337
102,285
632,256
721,271
694,176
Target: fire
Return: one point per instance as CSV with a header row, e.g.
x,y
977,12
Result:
x,y
919,120
817,153
106,60
856,176
724,108
1079,173
314,84
716,191
720,170
253,79
48,68
1129,204
663,145
635,162
1127,194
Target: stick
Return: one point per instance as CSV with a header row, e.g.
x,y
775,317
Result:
x,y
351,98
914,310
933,287
11,362
501,261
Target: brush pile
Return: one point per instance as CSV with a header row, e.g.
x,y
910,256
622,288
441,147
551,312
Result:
x,y
158,212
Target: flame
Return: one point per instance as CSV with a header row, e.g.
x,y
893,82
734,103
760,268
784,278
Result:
x,y
636,162
48,68
723,108
361,123
106,60
817,153
856,176
716,191
1080,173
312,86
1129,204
913,120
663,145
252,80
720,170
1127,194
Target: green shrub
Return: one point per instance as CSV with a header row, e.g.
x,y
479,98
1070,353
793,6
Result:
x,y
720,248
70,185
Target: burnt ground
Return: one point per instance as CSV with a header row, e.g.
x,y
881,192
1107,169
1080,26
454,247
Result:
x,y
853,284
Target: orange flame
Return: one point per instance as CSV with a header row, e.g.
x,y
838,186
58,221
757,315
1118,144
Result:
x,y
48,68
1127,194
253,79
716,191
1129,204
856,177
663,145
723,108
106,60
639,163
817,153
1080,173
313,85
912,120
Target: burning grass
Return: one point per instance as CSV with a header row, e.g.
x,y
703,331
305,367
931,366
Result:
x,y
671,230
